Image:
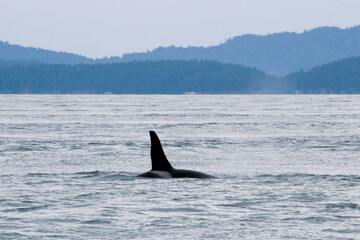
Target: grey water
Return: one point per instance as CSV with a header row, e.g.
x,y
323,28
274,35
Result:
x,y
288,167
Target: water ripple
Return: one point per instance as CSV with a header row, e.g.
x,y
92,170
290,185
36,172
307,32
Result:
x,y
287,167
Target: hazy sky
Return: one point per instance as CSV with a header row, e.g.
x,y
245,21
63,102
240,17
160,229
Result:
x,y
113,27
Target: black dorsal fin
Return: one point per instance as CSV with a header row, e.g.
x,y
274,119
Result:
x,y
158,158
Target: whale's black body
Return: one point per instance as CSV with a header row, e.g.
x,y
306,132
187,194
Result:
x,y
161,168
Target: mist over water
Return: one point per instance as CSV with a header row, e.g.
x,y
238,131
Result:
x,y
288,167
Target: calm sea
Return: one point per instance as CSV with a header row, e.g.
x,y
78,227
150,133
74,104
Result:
x,y
288,167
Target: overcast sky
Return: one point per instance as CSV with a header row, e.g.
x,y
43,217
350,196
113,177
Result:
x,y
113,27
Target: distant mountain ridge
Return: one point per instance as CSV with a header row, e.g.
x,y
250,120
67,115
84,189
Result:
x,y
278,53
11,52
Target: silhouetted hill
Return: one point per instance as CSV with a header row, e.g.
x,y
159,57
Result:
x,y
279,53
11,52
341,76
137,77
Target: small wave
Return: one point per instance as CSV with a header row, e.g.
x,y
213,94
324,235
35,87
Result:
x,y
331,147
130,144
57,236
86,195
179,144
312,219
88,174
96,143
26,148
342,231
115,176
347,217
307,197
186,209
343,206
13,235
274,179
27,209
239,204
41,182
317,219
38,174
286,175
119,176
17,127
329,177
102,143
76,147
96,221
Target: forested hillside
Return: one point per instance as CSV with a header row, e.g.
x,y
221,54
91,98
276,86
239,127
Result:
x,y
176,77
136,77
337,77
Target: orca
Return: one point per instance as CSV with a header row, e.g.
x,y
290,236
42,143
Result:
x,y
161,167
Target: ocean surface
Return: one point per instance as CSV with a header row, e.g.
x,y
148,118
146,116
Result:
x,y
288,167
